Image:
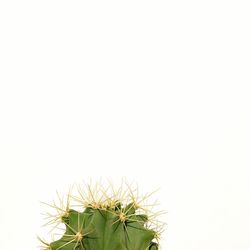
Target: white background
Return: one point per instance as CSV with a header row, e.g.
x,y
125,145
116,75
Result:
x,y
156,91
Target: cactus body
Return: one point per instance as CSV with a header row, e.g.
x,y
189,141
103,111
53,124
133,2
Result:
x,y
105,224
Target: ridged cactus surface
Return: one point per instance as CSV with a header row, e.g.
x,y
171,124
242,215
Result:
x,y
116,220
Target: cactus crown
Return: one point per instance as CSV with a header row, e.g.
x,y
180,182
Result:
x,y
108,219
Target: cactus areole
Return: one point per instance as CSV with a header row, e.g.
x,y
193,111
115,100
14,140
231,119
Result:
x,y
105,223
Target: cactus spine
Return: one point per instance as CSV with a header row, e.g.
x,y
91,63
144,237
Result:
x,y
108,220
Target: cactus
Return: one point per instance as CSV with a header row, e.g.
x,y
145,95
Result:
x,y
108,220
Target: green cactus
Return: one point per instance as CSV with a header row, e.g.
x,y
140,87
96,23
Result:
x,y
107,222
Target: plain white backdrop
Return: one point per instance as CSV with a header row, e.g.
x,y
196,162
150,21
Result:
x,y
154,91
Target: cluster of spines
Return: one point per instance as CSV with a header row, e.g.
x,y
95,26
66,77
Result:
x,y
123,202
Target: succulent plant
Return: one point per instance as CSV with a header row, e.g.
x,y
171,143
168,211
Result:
x,y
108,219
